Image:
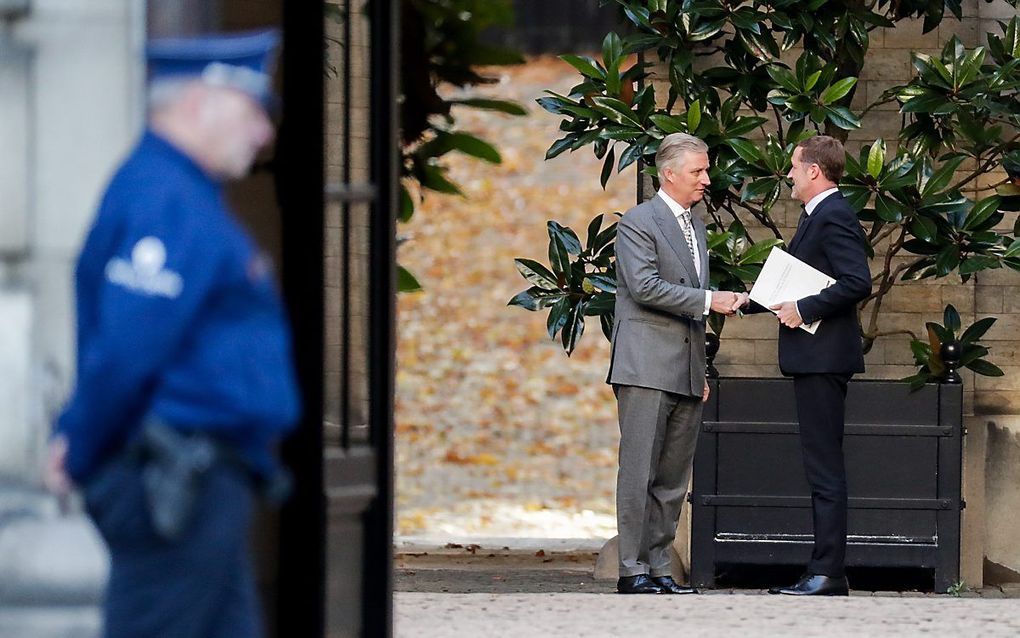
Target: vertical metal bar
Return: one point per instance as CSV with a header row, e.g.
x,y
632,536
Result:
x,y
300,188
378,566
345,235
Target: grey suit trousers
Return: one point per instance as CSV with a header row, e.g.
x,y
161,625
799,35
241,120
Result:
x,y
658,436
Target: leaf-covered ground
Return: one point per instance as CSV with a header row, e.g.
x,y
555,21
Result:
x,y
498,432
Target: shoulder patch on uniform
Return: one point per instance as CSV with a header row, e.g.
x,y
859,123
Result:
x,y
145,272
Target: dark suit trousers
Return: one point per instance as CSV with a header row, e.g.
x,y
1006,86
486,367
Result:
x,y
821,410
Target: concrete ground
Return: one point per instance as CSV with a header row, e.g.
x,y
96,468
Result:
x,y
496,590
421,614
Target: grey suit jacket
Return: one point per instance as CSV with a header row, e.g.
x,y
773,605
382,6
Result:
x,y
659,331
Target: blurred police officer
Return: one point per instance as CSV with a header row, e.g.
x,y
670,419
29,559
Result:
x,y
185,378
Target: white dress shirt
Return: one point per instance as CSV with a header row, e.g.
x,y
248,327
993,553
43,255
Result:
x,y
678,210
817,199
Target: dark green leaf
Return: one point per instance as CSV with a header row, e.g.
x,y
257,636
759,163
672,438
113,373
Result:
x,y
607,167
471,145
406,282
838,90
667,123
603,282
573,328
977,330
433,178
565,235
502,106
951,318
748,151
537,274
585,65
557,317
985,368
561,145
535,298
406,205
842,117
982,211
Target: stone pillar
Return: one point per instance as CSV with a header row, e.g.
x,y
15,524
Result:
x,y
76,70
71,104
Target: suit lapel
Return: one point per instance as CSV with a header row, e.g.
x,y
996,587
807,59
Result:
x,y
670,227
802,228
702,236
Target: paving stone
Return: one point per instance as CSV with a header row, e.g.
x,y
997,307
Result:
x,y
424,615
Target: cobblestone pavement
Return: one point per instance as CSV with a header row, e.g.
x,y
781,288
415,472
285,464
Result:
x,y
459,592
421,614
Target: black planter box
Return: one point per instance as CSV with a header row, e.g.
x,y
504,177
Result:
x,y
751,503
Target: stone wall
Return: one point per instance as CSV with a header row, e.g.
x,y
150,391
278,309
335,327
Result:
x,y
70,106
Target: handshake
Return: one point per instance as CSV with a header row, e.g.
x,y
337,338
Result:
x,y
728,303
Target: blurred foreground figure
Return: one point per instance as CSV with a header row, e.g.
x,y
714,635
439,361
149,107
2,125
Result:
x,y
185,379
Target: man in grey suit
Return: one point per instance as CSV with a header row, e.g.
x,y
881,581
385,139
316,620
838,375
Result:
x,y
657,365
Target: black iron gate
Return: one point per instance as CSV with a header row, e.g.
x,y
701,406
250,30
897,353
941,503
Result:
x,y
337,164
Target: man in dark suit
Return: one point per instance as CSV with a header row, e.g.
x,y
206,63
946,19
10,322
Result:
x,y
657,365
830,239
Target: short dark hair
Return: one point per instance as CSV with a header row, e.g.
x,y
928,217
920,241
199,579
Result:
x,y
827,152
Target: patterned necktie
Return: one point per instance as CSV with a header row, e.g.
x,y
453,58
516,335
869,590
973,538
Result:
x,y
688,229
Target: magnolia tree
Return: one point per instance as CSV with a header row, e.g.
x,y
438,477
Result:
x,y
730,83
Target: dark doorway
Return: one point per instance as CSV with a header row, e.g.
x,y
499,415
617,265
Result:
x,y
336,171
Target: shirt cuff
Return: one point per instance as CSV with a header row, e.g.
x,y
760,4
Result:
x,y
708,302
796,306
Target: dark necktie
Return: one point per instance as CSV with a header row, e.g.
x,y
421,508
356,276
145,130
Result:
x,y
800,226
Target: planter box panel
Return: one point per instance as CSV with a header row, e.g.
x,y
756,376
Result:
x,y
766,522
891,403
747,400
750,498
759,464
891,466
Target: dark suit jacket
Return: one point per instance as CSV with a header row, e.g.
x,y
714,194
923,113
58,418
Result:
x,y
831,240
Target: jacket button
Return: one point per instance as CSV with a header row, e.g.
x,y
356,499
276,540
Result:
x,y
682,280
686,340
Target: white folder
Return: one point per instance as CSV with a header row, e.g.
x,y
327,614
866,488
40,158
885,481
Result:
x,y
786,278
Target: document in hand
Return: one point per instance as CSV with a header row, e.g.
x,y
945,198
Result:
x,y
786,278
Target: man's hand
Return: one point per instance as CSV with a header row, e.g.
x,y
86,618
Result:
x,y
723,302
54,475
704,395
742,300
787,313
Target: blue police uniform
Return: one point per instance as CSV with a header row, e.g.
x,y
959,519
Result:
x,y
179,320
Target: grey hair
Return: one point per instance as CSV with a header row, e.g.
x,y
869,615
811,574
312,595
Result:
x,y
164,92
673,147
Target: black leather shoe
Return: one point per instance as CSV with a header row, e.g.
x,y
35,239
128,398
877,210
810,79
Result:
x,y
670,586
640,584
815,585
